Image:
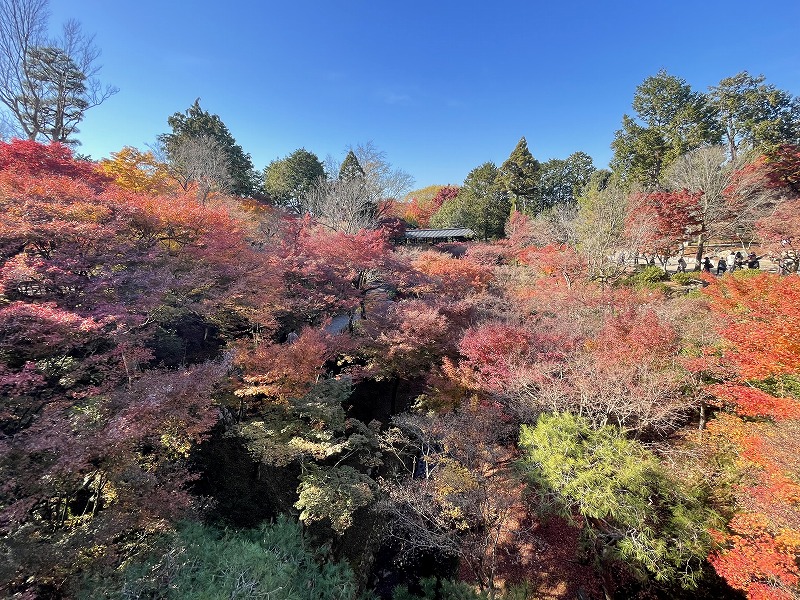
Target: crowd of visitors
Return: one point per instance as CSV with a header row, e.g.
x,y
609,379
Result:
x,y
785,263
731,262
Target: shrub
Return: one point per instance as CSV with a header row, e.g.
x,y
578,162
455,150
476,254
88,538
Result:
x,y
203,562
650,274
684,278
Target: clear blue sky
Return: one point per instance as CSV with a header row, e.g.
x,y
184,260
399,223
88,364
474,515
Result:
x,y
441,86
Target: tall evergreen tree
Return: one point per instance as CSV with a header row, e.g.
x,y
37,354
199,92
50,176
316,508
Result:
x,y
351,169
54,95
562,181
671,120
196,123
519,177
481,204
754,114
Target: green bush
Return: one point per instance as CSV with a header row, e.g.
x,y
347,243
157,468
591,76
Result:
x,y
648,277
206,563
747,273
439,589
684,278
630,508
650,274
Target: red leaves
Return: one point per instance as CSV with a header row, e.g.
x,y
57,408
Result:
x,y
752,402
555,261
86,272
760,551
635,338
280,371
494,355
759,317
781,230
420,212
325,273
754,561
23,158
759,321
778,169
662,220
457,275
405,339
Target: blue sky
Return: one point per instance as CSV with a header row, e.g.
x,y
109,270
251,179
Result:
x,y
441,86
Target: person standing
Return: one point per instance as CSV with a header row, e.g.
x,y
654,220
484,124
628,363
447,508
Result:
x,y
722,266
730,261
752,261
681,265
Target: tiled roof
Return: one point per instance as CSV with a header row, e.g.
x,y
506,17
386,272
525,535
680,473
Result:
x,y
427,234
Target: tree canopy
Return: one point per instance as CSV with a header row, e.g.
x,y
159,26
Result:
x,y
755,115
287,181
519,177
670,120
481,204
198,124
206,394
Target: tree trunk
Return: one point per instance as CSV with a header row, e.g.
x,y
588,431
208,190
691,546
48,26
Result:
x,y
698,258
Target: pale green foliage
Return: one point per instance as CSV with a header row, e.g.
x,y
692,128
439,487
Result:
x,y
647,277
310,427
630,509
333,494
204,563
310,430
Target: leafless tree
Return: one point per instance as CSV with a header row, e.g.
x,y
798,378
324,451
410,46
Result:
x,y
383,182
730,205
46,85
23,25
601,236
637,398
342,205
201,162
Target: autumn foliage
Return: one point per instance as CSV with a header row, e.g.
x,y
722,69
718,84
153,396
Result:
x,y
760,322
164,359
759,317
661,221
95,433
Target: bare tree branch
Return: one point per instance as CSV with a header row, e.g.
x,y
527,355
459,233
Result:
x,y
46,85
202,162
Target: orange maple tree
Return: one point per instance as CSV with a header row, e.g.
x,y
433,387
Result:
x,y
759,324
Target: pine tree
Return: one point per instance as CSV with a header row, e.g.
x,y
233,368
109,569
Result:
x,y
670,120
197,123
351,169
519,178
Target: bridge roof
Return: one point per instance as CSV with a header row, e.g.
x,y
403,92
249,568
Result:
x,y
431,234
